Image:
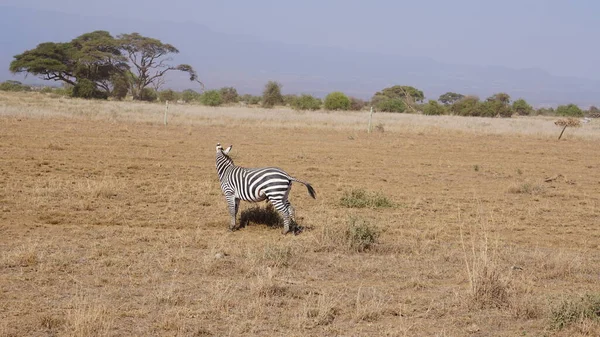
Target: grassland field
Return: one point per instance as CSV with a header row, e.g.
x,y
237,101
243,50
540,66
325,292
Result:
x,y
113,224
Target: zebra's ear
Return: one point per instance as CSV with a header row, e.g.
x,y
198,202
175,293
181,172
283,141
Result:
x,y
226,151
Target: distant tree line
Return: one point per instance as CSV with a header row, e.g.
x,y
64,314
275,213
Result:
x,y
98,65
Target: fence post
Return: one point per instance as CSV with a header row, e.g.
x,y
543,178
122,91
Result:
x,y
370,118
166,111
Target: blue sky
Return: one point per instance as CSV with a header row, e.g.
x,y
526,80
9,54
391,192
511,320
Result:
x,y
557,36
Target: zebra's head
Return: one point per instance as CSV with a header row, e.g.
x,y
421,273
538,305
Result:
x,y
220,149
223,159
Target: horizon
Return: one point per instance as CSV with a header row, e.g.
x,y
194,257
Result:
x,y
478,35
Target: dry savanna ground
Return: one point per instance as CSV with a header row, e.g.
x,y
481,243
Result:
x,y
112,224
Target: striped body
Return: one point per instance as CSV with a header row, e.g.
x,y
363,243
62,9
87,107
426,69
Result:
x,y
254,185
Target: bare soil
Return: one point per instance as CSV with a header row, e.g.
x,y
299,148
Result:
x,y
117,227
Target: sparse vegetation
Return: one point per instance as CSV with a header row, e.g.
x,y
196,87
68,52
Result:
x,y
359,198
361,235
577,309
114,227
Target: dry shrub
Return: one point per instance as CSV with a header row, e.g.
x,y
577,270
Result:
x,y
356,235
320,309
526,188
359,198
576,310
360,235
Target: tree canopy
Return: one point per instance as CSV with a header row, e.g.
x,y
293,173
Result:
x,y
400,91
98,65
150,59
450,98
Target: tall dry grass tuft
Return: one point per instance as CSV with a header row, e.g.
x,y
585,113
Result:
x,y
489,287
87,318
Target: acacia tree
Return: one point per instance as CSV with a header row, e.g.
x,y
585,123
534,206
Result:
x,y
450,98
89,63
150,60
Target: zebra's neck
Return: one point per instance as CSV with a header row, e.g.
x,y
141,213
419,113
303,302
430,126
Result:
x,y
223,162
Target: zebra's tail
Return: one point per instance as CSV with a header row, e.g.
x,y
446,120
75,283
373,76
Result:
x,y
311,190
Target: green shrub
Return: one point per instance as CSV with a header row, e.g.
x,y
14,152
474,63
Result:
x,y
211,98
573,310
288,100
570,110
360,235
148,95
467,106
337,101
120,87
87,89
433,108
521,107
167,95
190,95
391,105
493,108
13,86
272,94
229,95
306,102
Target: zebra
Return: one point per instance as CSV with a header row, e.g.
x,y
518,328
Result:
x,y
255,185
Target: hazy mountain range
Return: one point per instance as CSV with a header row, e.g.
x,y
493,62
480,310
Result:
x,y
247,62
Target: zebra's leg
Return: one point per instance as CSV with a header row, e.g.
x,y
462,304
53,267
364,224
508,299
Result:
x,y
291,211
282,208
233,203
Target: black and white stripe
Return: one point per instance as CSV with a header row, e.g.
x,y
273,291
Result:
x,y
254,185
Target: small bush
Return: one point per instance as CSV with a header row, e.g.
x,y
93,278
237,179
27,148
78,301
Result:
x,y
570,110
337,101
167,95
391,105
545,112
359,198
148,95
120,87
229,95
250,99
289,99
87,89
494,108
272,94
306,102
360,235
211,98
521,107
190,95
357,104
467,106
13,86
433,108
526,188
573,310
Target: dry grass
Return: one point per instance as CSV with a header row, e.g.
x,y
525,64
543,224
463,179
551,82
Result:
x,y
112,224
